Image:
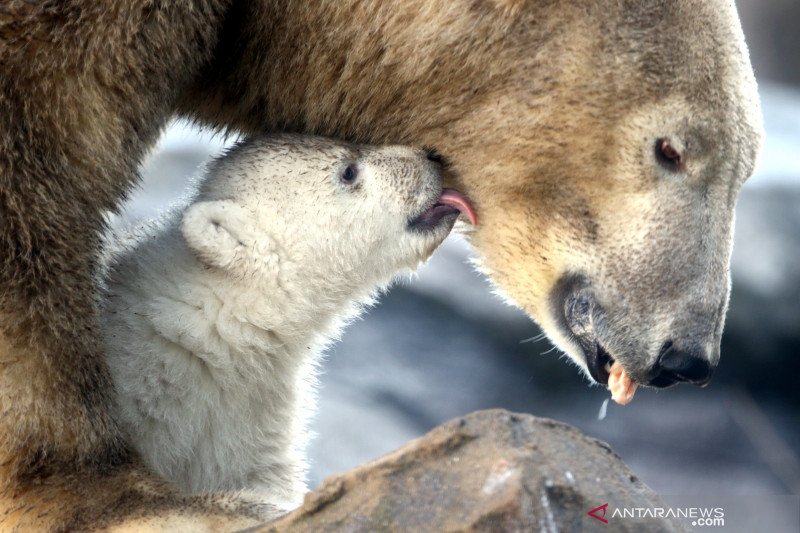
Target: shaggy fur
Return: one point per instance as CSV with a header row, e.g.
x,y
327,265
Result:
x,y
548,109
216,315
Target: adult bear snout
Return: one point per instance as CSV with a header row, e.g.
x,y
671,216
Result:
x,y
675,365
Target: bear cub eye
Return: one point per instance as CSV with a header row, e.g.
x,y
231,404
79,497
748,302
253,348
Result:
x,y
349,175
668,155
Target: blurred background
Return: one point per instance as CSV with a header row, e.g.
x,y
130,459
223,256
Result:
x,y
443,345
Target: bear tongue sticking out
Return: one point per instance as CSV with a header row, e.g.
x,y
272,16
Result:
x,y
455,199
450,202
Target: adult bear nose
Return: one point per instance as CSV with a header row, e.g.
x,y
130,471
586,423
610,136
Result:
x,y
676,366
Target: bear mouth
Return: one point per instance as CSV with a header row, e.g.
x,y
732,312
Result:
x,y
578,312
574,307
599,362
446,209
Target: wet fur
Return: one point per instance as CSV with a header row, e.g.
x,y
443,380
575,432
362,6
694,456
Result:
x,y
547,110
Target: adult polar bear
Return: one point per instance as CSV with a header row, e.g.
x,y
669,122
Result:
x,y
603,144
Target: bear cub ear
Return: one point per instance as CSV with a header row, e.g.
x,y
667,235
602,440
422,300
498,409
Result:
x,y
223,234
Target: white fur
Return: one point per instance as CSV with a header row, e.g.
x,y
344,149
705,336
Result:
x,y
215,317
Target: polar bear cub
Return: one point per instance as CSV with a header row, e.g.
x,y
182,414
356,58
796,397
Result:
x,y
214,317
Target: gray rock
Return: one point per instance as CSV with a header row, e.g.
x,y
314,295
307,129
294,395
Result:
x,y
488,471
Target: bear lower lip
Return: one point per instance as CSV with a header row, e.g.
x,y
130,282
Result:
x,y
434,217
575,306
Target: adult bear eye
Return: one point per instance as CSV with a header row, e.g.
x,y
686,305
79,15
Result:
x,y
349,175
668,156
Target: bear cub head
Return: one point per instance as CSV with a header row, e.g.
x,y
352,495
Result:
x,y
285,206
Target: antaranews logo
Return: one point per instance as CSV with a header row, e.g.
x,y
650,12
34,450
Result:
x,y
697,516
601,509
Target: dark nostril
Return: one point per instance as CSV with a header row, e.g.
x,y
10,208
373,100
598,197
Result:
x,y
433,155
675,366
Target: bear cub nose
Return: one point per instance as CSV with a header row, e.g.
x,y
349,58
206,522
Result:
x,y
676,366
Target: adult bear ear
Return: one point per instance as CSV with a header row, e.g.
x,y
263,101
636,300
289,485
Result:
x,y
219,232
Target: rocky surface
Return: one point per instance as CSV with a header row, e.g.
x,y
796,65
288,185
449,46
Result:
x,y
488,471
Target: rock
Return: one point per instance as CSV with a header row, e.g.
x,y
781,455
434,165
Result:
x,y
488,471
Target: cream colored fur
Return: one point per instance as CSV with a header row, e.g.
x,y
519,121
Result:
x,y
215,316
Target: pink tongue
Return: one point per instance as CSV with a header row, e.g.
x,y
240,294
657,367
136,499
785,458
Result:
x,y
453,198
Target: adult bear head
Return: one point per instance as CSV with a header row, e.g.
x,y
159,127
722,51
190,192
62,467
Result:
x,y
615,230
602,143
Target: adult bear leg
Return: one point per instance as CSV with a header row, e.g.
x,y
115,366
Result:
x,y
63,461
85,89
